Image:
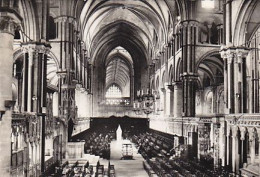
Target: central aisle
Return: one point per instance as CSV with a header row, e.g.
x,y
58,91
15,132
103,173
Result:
x,y
126,168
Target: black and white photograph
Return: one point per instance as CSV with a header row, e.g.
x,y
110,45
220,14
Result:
x,y
129,88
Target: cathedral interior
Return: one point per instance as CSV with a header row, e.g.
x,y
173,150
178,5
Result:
x,y
178,80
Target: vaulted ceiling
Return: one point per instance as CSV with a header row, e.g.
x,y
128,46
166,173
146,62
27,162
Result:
x,y
139,27
132,24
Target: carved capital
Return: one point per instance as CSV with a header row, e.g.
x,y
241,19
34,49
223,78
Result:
x,y
189,23
65,19
35,48
8,23
230,57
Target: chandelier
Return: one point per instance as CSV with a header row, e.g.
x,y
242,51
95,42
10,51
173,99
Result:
x,y
145,102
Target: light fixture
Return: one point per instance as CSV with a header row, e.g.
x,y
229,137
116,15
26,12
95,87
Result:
x,y
144,103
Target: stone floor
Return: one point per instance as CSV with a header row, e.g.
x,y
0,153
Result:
x,y
126,168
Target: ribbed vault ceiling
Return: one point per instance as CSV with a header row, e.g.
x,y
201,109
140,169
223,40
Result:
x,y
140,27
144,23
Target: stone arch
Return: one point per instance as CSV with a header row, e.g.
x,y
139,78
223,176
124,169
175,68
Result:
x,y
210,69
243,28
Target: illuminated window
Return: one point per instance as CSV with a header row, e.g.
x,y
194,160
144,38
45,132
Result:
x,y
208,4
113,92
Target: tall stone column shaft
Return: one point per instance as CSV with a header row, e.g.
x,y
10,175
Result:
x,y
230,83
8,22
189,39
235,155
67,76
227,154
169,99
239,87
222,141
228,56
36,56
177,103
252,138
225,84
234,79
189,93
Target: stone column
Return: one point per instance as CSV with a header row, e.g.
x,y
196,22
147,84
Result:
x,y
240,107
189,39
217,144
163,100
169,100
242,138
177,103
227,157
228,20
252,145
189,94
200,140
228,56
230,83
67,79
222,142
235,156
8,22
224,56
36,55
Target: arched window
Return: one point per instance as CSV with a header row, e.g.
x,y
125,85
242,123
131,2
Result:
x,y
113,92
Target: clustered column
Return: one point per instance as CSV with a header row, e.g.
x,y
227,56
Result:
x,y
234,79
235,156
35,68
188,44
